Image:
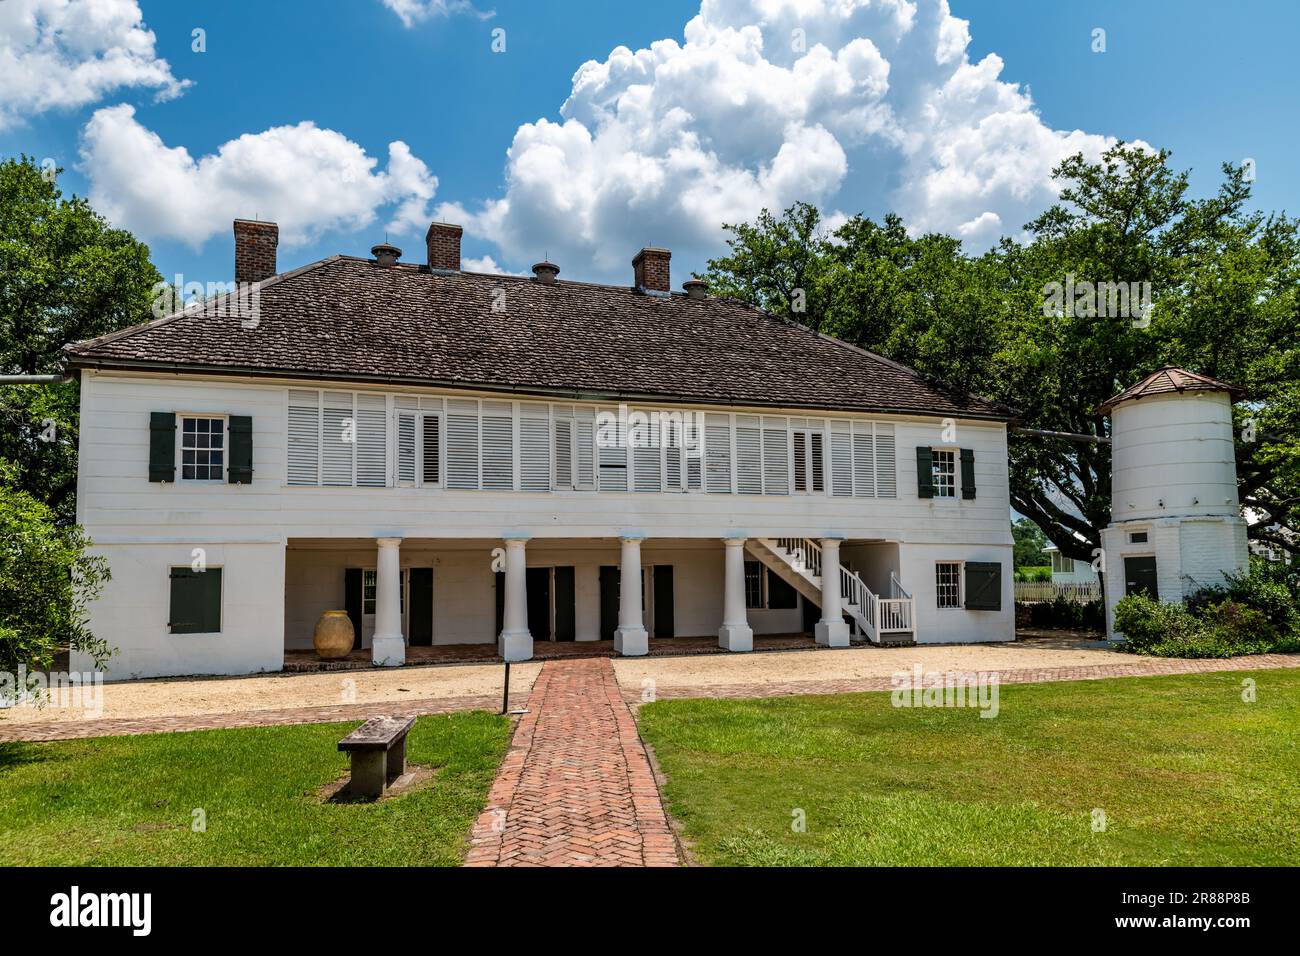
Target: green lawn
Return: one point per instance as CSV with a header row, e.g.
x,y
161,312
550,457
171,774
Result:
x,y
129,800
1184,770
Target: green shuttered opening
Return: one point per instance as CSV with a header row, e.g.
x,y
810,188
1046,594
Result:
x,y
195,601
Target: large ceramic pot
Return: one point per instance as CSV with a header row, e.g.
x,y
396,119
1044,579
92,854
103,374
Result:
x,y
334,635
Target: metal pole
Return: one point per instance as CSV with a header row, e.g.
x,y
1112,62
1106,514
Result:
x,y
505,694
1069,436
34,379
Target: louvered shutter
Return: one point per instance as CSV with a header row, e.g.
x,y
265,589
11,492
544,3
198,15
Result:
x,y
968,473
611,453
372,441
338,439
534,449
586,455
864,460
240,471
563,453
498,446
815,453
431,449
647,458
674,450
886,462
693,451
304,437
841,459
800,444
924,472
717,454
983,586
406,447
162,446
776,457
749,456
462,444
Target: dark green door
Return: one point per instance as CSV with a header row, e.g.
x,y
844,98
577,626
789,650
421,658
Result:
x,y
1140,577
663,584
609,578
421,620
565,605
352,601
538,582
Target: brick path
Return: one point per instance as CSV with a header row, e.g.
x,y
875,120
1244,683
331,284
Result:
x,y
576,788
1149,667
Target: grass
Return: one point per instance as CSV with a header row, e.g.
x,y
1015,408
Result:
x,y
130,800
1184,770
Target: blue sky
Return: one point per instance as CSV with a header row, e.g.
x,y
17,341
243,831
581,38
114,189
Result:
x,y
658,148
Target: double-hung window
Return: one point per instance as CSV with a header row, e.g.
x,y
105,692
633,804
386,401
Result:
x,y
203,448
944,468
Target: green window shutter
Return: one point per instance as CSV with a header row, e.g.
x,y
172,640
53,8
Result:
x,y
924,472
967,473
241,450
983,586
162,446
195,601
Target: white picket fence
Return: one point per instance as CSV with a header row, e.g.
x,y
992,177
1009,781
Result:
x,y
1030,591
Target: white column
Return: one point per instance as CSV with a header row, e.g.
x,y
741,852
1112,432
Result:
x,y
831,630
387,646
735,633
630,638
515,643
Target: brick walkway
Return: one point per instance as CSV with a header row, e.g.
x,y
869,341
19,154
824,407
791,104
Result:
x,y
576,788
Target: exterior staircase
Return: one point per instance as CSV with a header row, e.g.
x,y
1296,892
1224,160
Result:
x,y
798,562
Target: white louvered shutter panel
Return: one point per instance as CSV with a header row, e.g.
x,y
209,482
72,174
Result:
x,y
406,447
611,453
674,442
864,461
800,450
647,470
776,457
693,451
816,463
534,448
304,438
338,439
886,462
841,459
431,449
749,455
462,444
717,454
563,453
585,455
498,446
372,441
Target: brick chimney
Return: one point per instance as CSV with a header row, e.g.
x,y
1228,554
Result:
x,y
255,244
650,269
443,241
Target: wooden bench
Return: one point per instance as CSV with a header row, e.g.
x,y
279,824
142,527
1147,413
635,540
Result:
x,y
377,751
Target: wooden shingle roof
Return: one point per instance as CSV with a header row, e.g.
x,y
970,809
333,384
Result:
x,y
1170,379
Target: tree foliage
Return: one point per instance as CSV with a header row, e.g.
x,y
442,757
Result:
x,y
1222,301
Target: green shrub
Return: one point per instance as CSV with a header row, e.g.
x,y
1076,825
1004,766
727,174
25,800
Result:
x,y
1226,629
1061,612
1148,624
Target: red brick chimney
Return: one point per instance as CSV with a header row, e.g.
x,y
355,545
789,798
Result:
x,y
255,244
650,269
443,241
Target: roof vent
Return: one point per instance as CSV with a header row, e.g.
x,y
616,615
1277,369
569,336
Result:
x,y
545,272
386,255
696,288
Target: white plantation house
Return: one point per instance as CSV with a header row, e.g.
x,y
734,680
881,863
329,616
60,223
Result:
x,y
459,458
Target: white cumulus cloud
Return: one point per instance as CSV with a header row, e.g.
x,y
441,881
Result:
x,y
411,12
849,104
307,179
63,54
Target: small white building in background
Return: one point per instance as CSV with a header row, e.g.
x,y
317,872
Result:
x,y
1176,523
1069,570
422,447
